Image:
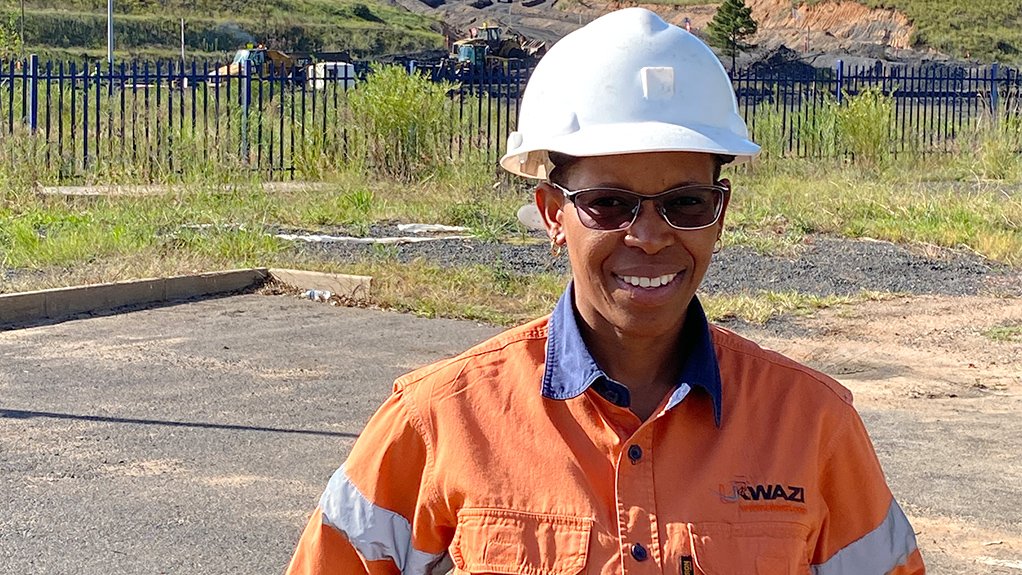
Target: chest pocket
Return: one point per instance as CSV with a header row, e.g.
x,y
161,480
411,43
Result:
x,y
759,548
506,542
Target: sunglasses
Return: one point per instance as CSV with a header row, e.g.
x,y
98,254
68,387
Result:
x,y
691,207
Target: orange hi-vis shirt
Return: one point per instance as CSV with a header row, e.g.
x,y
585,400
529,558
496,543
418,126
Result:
x,y
521,457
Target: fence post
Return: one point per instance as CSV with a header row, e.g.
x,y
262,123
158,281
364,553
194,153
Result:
x,y
246,100
994,69
840,65
33,94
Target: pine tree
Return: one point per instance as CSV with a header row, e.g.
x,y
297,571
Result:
x,y
730,26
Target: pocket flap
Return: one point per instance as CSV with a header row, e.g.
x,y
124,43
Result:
x,y
758,548
515,542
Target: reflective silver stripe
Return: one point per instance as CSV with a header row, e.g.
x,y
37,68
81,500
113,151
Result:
x,y
880,551
375,532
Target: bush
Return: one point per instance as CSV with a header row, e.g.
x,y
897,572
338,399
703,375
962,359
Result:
x,y
405,121
864,126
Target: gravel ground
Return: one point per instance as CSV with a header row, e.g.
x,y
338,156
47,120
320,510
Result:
x,y
822,265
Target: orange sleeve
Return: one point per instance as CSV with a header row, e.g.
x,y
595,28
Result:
x,y
378,514
864,531
323,550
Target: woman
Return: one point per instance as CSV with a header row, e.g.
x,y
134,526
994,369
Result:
x,y
622,433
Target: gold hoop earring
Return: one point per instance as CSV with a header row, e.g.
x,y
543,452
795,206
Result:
x,y
718,245
555,248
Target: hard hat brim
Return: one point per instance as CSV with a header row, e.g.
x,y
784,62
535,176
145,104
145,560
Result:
x,y
636,138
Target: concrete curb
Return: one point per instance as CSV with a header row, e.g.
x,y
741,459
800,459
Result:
x,y
62,303
346,286
163,189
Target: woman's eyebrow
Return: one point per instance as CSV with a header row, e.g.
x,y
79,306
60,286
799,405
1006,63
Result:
x,y
612,184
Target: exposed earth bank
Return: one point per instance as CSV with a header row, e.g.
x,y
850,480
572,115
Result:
x,y
822,31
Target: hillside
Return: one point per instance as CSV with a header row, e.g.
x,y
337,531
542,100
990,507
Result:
x,y
152,28
981,30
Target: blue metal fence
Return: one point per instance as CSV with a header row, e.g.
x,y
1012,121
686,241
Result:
x,y
147,120
931,106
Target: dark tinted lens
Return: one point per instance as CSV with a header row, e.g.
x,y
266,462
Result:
x,y
690,207
606,209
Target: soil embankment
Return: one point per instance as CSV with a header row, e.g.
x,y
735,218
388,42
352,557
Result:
x,y
845,26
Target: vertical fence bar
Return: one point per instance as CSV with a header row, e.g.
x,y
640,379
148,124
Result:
x,y
191,86
23,73
259,116
33,88
74,114
98,131
49,93
122,82
305,132
171,140
109,111
134,112
291,128
280,111
246,99
85,116
840,72
994,72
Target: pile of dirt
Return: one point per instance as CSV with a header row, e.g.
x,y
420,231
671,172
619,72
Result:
x,y
819,34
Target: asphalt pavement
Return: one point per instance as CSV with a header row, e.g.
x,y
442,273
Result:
x,y
190,438
197,437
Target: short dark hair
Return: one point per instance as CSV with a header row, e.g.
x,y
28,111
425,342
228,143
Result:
x,y
562,163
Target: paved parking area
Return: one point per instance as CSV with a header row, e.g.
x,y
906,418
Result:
x,y
192,438
197,437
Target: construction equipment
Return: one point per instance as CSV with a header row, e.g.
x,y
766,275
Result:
x,y
261,61
489,42
267,62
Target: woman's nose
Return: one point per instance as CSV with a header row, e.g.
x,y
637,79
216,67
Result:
x,y
649,231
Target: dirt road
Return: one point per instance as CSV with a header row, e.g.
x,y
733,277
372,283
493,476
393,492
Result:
x,y
195,438
943,403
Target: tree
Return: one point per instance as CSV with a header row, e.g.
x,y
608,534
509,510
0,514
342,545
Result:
x,y
730,26
10,40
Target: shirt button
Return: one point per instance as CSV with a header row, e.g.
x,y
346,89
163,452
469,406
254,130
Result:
x,y
639,552
635,453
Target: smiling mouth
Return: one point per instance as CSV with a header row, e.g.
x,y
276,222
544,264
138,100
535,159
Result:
x,y
648,282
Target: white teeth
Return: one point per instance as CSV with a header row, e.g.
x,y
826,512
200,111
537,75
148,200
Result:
x,y
649,282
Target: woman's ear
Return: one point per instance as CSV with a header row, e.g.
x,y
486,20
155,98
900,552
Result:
x,y
727,201
550,202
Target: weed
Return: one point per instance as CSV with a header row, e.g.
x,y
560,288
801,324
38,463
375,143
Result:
x,y
1011,332
762,306
863,126
404,119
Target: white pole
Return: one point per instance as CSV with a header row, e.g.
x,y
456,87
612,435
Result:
x,y
110,32
182,41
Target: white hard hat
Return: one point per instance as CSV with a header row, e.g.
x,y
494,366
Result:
x,y
628,82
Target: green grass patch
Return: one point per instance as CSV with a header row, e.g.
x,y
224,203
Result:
x,y
988,30
193,227
760,307
214,30
898,205
1008,333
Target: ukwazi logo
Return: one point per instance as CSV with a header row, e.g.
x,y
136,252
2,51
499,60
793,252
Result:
x,y
768,496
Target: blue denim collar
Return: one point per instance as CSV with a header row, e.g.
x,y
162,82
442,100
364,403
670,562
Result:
x,y
570,369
